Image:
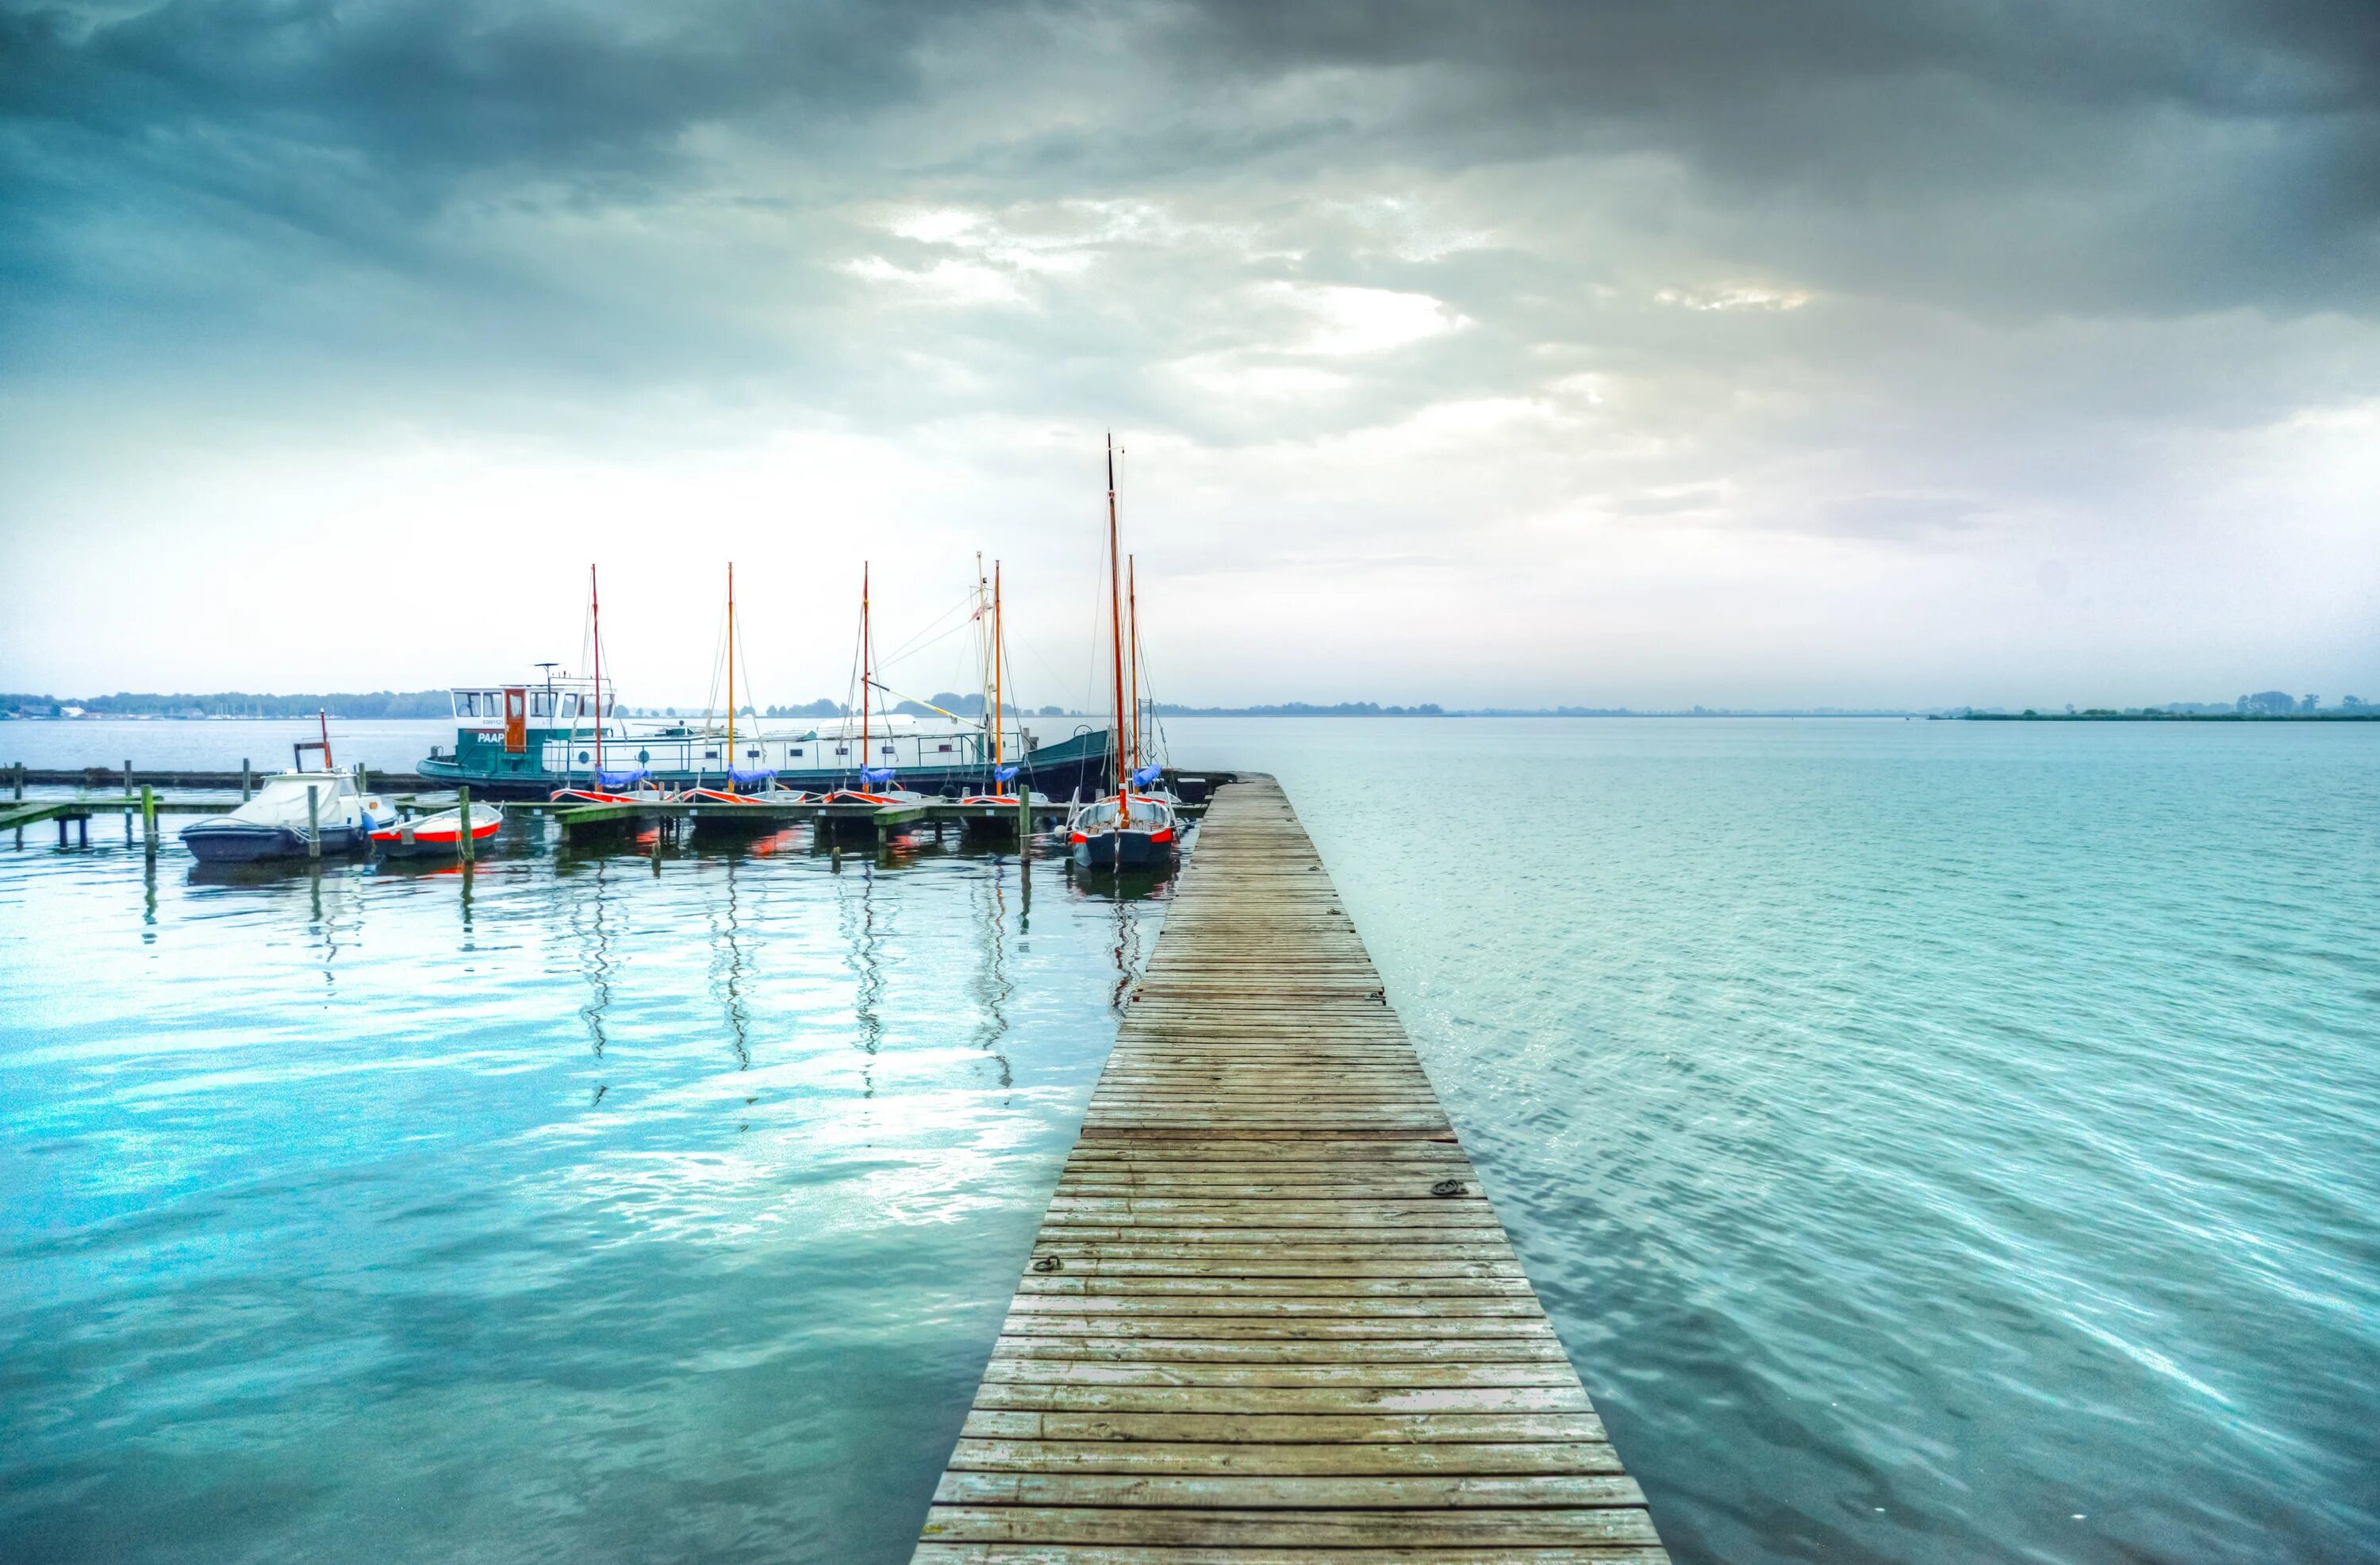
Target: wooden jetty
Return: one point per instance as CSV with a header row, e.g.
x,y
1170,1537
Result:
x,y
1269,1315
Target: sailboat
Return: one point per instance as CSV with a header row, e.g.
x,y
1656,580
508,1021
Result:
x,y
604,785
1001,787
743,784
1128,828
877,784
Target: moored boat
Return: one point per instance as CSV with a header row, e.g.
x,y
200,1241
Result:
x,y
1131,831
434,836
1129,828
277,823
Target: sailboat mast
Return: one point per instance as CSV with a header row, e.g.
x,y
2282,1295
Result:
x,y
595,608
867,672
1132,640
999,656
1115,624
731,665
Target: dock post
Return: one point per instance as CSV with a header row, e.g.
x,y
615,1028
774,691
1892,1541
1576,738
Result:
x,y
127,777
363,778
244,776
1024,843
17,775
149,816
463,820
313,822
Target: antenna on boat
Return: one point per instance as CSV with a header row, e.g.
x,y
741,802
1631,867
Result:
x,y
731,672
1115,627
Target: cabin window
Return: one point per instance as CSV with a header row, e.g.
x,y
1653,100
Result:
x,y
582,755
711,755
944,747
843,749
889,750
795,753
751,754
469,701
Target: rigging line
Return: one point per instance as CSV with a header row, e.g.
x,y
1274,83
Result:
x,y
965,608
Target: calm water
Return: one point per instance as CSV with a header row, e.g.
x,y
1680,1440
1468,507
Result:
x,y
625,1214
1935,1142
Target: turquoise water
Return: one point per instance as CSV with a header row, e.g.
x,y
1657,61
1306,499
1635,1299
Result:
x,y
1934,1141
632,1211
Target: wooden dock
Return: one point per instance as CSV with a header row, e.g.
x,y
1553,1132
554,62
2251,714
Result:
x,y
1270,1316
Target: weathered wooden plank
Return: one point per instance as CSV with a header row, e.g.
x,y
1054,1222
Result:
x,y
1154,1527
1257,1492
1270,1316
1132,1554
1380,1458
1495,1428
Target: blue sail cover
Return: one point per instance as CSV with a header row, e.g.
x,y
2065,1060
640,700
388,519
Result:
x,y
1146,775
1004,774
740,778
873,775
609,779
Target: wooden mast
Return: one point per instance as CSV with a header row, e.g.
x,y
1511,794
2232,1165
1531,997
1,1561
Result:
x,y
1115,625
999,655
1132,641
595,607
867,662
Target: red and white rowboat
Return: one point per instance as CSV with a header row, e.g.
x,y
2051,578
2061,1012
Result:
x,y
437,835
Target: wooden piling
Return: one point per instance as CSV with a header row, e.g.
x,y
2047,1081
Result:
x,y
127,777
149,816
245,778
1024,846
1271,1315
463,823
313,821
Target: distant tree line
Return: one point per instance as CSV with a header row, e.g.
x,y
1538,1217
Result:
x,y
237,703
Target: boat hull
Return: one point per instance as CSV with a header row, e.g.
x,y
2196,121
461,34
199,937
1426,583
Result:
x,y
1126,850
1067,770
244,843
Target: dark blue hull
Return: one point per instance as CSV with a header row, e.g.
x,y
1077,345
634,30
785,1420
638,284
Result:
x,y
1126,850
226,842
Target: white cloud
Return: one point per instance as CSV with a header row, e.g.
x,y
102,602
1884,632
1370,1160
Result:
x,y
1344,321
1741,295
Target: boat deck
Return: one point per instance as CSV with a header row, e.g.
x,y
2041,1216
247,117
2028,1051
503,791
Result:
x,y
1271,1315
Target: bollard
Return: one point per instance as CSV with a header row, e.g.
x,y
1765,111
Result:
x,y
313,822
463,821
149,816
244,785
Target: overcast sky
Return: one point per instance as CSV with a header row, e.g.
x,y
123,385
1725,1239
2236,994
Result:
x,y
1850,351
